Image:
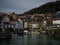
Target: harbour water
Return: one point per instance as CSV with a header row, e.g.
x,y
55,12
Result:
x,y
30,40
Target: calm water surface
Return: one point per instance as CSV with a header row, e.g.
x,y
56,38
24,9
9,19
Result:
x,y
30,40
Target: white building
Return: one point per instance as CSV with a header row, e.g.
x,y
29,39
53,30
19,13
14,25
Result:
x,y
25,24
6,19
56,23
33,26
19,24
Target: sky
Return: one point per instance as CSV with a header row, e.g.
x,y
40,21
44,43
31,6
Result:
x,y
20,6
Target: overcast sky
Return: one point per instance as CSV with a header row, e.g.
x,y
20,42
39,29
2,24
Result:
x,y
20,6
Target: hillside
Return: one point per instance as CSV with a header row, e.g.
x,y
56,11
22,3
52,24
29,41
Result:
x,y
46,8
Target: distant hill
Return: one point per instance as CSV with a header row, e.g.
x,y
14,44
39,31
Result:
x,y
46,8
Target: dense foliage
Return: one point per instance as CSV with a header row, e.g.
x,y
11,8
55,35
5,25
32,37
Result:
x,y
46,8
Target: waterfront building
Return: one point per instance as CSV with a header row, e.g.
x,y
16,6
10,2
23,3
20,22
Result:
x,y
31,22
56,23
19,24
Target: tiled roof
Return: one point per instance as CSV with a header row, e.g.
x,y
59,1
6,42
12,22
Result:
x,y
2,14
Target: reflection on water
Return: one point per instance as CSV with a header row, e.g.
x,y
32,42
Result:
x,y
30,40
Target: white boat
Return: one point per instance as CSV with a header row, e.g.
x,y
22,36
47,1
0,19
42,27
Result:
x,y
26,32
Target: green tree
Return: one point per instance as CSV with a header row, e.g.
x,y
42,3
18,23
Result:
x,y
41,26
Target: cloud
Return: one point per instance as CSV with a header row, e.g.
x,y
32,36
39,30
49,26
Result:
x,y
9,10
21,5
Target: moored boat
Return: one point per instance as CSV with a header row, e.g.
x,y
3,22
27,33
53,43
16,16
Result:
x,y
26,32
